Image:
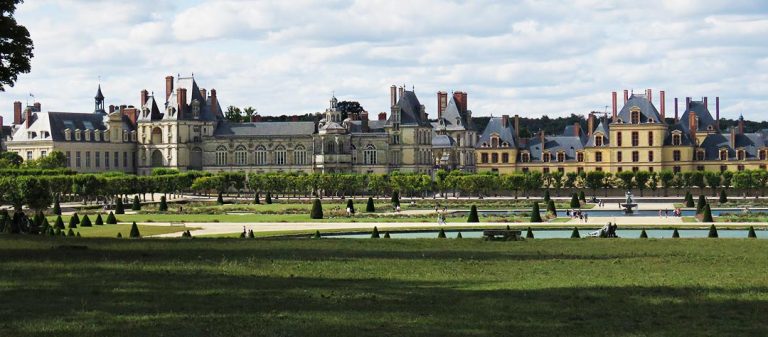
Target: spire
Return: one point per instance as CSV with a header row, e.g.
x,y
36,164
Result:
x,y
99,95
99,102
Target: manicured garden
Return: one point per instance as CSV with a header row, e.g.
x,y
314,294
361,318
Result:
x,y
451,287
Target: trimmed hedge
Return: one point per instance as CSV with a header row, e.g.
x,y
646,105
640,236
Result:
x,y
575,201
675,234
643,234
111,220
575,234
136,203
707,216
370,207
135,231
712,232
441,234
752,234
351,206
473,214
163,207
551,209
375,233
688,199
119,207
529,234
723,197
86,221
99,221
317,209
535,216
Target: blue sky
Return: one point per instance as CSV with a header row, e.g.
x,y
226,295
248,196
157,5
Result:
x,y
287,57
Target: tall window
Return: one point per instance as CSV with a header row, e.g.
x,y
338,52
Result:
x,y
650,138
241,156
484,158
87,158
69,159
97,160
635,156
598,157
221,156
545,157
676,155
106,159
723,154
280,155
580,157
619,156
676,140
125,159
598,140
505,157
525,157
561,157
261,155
117,159
29,155
740,155
650,156
494,158
77,159
635,138
763,154
635,117
370,156
300,155
618,138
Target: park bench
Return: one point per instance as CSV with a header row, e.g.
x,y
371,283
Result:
x,y
502,234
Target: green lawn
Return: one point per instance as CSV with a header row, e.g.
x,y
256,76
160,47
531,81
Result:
x,y
110,231
272,218
229,287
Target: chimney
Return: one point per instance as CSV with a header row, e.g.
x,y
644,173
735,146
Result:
x,y
144,97
400,92
132,114
214,103
442,103
662,105
111,108
626,96
37,106
613,102
28,117
204,93
687,104
577,129
741,125
542,139
706,102
504,121
392,95
168,87
122,108
382,116
733,138
692,126
591,123
423,113
461,100
181,101
649,95
364,121
17,117
517,126
717,113
677,119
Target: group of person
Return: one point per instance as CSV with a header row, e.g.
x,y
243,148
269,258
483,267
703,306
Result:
x,y
665,212
441,216
577,214
608,231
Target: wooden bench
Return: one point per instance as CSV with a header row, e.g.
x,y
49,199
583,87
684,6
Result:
x,y
502,234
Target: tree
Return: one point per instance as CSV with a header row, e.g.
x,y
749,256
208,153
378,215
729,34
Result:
x,y
54,160
375,233
641,179
575,234
582,197
134,231
317,210
99,221
256,199
712,232
248,112
743,181
667,177
473,214
713,180
551,208
163,207
529,233
546,196
86,221
111,220
751,234
15,45
441,234
707,214
688,199
233,114
10,159
675,234
557,181
136,203
59,223
73,221
268,199
643,234
535,215
56,206
575,201
220,199
594,181
395,199
369,207
700,204
723,197
119,207
349,109
626,179
697,179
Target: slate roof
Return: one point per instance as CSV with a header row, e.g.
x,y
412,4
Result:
x,y
506,132
604,128
193,93
443,141
647,110
452,119
374,126
685,137
555,144
154,112
750,142
228,129
410,110
56,122
700,110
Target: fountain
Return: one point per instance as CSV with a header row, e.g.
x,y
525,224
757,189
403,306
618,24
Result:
x,y
628,204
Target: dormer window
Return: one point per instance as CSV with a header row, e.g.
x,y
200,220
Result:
x,y
195,108
77,135
580,157
676,139
546,157
525,157
494,141
598,140
67,134
741,155
125,136
96,135
763,154
87,135
723,154
699,154
504,144
133,136
635,115
561,157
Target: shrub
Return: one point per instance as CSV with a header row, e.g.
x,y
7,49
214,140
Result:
x,y
46,225
752,234
99,221
86,221
582,197
220,199
317,235
56,207
59,224
119,235
675,234
351,206
369,207
723,197
268,199
256,199
551,208
317,209
700,204
395,198
712,232
458,236
119,207
375,233
77,234
386,235
441,234
535,216
529,233
163,204
473,214
111,220
135,231
688,199
707,216
575,234
73,222
643,234
58,232
70,232
546,196
136,203
575,201
77,219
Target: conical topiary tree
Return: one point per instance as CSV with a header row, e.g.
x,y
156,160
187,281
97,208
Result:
x,y
317,235
375,233
386,235
86,221
136,206
70,232
77,218
119,235
395,198
135,231
688,199
77,234
535,215
473,214
459,236
529,233
46,226
643,234
268,199
59,223
99,221
700,204
370,207
111,220
712,231
546,196
73,222
582,197
551,208
119,207
220,199
675,234
256,199
56,206
723,197
707,214
58,232
751,234
575,234
575,201
163,207
351,206
441,234
317,209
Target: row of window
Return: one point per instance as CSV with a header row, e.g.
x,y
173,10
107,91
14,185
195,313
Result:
x,y
675,169
84,159
98,135
280,155
634,137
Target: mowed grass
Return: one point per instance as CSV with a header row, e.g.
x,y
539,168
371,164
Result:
x,y
273,218
335,287
110,231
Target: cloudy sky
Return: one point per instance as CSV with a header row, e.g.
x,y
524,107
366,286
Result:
x,y
285,57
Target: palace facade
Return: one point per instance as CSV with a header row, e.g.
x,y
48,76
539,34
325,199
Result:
x,y
185,129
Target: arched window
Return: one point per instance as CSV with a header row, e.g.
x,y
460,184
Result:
x,y
280,155
561,157
740,155
723,154
545,157
676,140
261,155
300,155
635,117
598,140
525,157
494,141
241,156
221,156
370,155
157,135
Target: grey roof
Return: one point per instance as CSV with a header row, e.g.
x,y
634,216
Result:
x,y
685,138
647,110
452,119
410,110
55,123
375,126
506,132
555,144
153,112
229,129
750,142
442,141
698,108
604,128
193,93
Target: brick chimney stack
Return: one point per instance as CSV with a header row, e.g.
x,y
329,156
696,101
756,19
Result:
x,y
591,123
204,93
717,113
255,118
706,102
382,116
687,104
733,137
626,96
181,101
461,100
692,126
111,108
677,118
649,95
37,107
144,98
663,105
614,104
577,129
168,87
28,117
400,92
17,117
517,126
442,103
542,139
392,95
214,103
741,125
364,121
504,121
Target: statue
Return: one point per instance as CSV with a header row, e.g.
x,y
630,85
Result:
x,y
629,197
628,203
